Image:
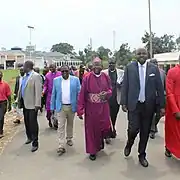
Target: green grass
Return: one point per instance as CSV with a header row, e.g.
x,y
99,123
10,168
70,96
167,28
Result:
x,y
10,77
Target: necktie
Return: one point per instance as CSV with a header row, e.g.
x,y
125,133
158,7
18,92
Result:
x,y
142,85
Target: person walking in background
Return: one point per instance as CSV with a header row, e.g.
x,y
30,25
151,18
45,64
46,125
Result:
x,y
81,72
141,85
5,100
64,101
37,70
29,98
47,91
116,76
157,115
172,117
88,70
93,103
16,90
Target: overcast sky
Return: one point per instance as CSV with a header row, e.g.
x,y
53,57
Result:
x,y
75,21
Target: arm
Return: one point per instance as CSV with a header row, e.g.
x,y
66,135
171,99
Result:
x,y
8,95
53,96
45,86
120,80
109,91
170,92
160,89
38,90
78,86
125,87
16,88
81,98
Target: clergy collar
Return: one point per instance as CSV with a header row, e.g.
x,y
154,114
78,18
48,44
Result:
x,y
112,70
97,75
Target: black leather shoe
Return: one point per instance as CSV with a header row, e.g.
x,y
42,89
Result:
x,y
28,141
168,153
34,148
127,150
50,124
92,157
152,135
143,162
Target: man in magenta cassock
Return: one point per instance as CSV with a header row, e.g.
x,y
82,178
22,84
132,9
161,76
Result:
x,y
93,103
47,90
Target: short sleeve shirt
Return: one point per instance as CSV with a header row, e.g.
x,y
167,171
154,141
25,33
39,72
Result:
x,y
5,91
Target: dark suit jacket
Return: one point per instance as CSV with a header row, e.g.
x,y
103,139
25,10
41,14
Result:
x,y
131,87
16,88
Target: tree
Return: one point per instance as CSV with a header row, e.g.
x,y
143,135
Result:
x,y
89,53
161,44
63,48
103,53
124,55
178,43
82,57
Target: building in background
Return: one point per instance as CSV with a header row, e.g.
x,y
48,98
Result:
x,y
15,58
167,60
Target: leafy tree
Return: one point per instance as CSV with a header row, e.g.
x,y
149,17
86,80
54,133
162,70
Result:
x,y
124,55
63,48
89,54
103,53
161,44
178,43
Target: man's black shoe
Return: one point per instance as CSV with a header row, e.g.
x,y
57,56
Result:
x,y
127,150
34,148
143,161
28,141
168,153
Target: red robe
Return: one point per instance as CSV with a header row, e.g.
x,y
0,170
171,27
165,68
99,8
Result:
x,y
97,115
172,126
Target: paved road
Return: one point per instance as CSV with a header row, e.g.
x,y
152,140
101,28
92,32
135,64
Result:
x,y
18,163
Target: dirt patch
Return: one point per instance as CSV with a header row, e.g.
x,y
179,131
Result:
x,y
10,130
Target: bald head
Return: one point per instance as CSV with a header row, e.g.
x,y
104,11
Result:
x,y
28,66
52,67
154,61
141,55
36,69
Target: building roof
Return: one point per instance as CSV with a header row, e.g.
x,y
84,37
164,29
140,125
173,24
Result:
x,y
171,56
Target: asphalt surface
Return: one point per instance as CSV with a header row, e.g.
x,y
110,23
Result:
x,y
18,163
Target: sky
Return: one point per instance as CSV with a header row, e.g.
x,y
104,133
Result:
x,y
76,21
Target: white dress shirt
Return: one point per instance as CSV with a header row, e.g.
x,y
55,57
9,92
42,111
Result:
x,y
142,79
66,91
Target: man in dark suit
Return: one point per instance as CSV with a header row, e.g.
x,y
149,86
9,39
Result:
x,y
141,84
16,89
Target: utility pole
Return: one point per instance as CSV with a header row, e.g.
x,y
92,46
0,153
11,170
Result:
x,y
150,30
90,43
114,40
30,36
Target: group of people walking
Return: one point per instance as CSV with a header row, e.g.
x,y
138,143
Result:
x,y
96,95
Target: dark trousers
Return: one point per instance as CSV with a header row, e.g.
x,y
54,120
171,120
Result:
x,y
114,109
3,108
155,121
139,121
31,125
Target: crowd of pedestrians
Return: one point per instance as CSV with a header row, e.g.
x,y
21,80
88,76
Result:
x,y
95,95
